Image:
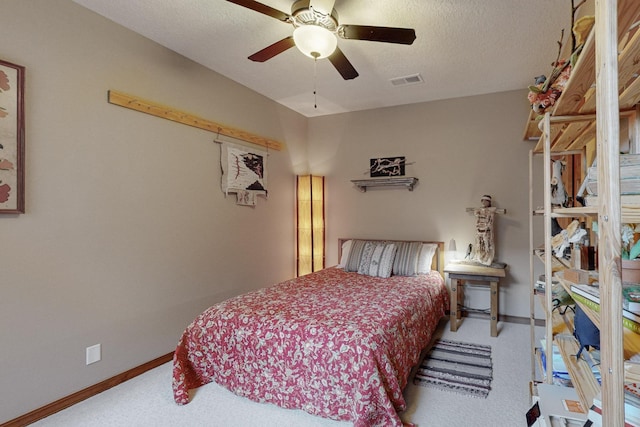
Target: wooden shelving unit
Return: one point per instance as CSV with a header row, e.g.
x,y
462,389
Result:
x,y
601,96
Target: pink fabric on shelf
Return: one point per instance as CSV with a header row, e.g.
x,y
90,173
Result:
x,y
336,344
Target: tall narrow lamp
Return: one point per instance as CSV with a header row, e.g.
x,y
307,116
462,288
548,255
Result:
x,y
310,224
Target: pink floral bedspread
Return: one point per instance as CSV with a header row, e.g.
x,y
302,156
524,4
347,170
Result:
x,y
336,344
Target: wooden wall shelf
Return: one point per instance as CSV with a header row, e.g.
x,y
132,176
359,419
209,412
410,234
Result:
x,y
175,115
408,182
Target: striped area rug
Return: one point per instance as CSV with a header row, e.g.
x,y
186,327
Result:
x,y
459,367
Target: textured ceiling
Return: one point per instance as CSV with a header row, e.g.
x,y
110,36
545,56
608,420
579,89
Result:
x,y
463,47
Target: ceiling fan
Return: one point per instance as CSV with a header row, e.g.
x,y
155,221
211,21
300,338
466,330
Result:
x,y
316,28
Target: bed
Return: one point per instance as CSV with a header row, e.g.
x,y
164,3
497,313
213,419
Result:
x,y
339,343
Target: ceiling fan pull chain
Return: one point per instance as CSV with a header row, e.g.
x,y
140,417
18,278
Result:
x,y
315,82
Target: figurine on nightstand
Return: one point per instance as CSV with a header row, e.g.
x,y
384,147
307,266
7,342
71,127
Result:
x,y
484,249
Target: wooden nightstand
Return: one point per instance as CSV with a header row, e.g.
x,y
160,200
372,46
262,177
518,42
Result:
x,y
459,273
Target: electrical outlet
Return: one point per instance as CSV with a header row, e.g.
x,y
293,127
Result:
x,y
94,354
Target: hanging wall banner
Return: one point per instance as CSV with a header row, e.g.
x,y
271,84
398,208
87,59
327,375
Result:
x,y
244,172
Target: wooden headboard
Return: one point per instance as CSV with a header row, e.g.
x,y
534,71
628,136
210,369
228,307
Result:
x,y
436,264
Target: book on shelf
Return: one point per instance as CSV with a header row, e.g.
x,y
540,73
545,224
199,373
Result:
x,y
629,175
631,410
592,293
626,200
560,370
626,161
631,297
595,417
632,398
558,291
627,186
630,320
588,291
632,372
559,421
541,282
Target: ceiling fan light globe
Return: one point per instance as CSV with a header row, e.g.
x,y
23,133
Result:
x,y
315,41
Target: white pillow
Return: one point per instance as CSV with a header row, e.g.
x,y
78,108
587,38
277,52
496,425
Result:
x,y
346,248
425,258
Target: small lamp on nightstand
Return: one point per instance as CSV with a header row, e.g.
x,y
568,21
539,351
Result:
x,y
451,252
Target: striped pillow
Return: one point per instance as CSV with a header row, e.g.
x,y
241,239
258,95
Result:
x,y
407,256
377,259
355,254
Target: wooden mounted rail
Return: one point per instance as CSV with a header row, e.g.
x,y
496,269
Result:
x,y
168,113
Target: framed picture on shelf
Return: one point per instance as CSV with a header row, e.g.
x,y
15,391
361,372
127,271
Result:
x,y
11,138
386,166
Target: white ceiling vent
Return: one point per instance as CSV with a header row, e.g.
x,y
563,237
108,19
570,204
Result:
x,y
407,80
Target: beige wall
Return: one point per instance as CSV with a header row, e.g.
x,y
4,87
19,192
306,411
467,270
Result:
x,y
460,149
127,235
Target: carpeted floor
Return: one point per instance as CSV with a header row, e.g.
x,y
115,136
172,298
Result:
x,y
147,400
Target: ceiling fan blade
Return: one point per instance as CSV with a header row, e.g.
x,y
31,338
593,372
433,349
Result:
x,y
262,8
273,50
377,34
323,6
343,65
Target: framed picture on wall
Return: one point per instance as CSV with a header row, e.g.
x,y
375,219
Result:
x,y
11,138
386,166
